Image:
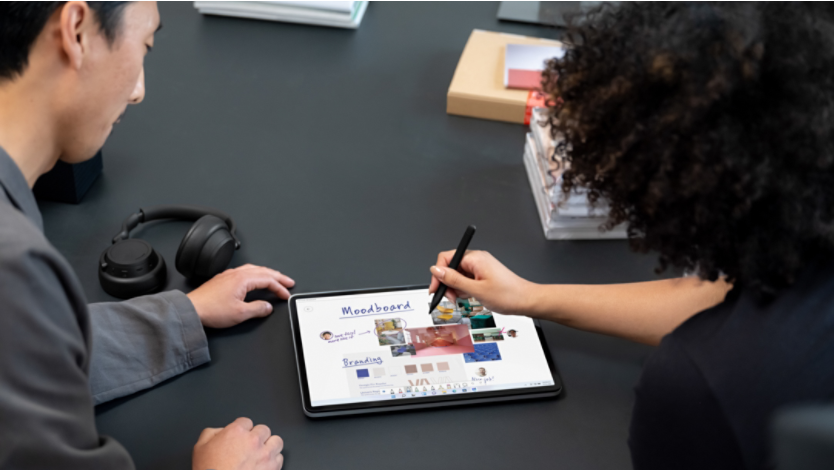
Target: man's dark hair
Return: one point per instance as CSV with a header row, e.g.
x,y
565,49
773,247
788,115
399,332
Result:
x,y
22,22
709,128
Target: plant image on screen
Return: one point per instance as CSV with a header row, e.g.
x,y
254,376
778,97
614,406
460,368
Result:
x,y
487,335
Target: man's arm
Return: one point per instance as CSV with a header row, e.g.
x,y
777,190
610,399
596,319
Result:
x,y
642,311
46,412
141,342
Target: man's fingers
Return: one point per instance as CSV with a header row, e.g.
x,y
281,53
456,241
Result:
x,y
278,289
255,309
275,444
263,432
264,271
207,434
282,278
244,423
287,281
267,282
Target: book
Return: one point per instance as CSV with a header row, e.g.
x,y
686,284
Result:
x,y
324,13
477,87
524,63
562,219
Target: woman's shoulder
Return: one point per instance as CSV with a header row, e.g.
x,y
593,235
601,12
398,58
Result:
x,y
755,355
677,421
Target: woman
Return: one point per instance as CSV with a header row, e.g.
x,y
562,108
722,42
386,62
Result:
x,y
708,129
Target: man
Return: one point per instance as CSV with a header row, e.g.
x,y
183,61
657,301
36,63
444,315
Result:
x,y
67,72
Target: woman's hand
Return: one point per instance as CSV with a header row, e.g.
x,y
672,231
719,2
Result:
x,y
484,278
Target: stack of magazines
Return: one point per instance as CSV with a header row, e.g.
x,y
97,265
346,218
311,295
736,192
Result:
x,y
336,14
562,219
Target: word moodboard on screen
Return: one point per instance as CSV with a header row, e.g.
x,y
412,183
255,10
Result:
x,y
378,350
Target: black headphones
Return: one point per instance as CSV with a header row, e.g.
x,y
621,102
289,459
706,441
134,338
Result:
x,y
131,267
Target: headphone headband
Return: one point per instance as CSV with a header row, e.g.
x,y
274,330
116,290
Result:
x,y
181,212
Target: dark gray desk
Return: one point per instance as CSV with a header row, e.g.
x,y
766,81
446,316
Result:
x,y
333,151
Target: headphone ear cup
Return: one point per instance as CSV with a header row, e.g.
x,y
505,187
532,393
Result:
x,y
130,268
206,249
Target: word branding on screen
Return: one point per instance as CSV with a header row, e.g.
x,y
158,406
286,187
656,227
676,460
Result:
x,y
362,362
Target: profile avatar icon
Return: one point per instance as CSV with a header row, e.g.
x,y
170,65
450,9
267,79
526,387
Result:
x,y
481,372
512,334
326,335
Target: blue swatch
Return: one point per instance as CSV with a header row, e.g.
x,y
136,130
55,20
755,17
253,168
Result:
x,y
483,353
362,373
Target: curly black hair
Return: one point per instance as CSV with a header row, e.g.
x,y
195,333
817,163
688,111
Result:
x,y
709,130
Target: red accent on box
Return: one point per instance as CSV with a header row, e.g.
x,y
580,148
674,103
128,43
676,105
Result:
x,y
535,99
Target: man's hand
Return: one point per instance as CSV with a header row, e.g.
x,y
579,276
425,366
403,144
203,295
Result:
x,y
484,278
219,302
238,446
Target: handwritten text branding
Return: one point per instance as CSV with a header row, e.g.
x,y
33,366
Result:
x,y
375,309
362,362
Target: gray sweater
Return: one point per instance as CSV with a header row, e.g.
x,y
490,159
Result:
x,y
59,356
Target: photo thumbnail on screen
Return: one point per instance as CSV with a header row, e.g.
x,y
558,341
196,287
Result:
x,y
389,331
468,312
487,335
440,340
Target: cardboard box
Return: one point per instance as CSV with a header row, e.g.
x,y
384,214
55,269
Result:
x,y
477,88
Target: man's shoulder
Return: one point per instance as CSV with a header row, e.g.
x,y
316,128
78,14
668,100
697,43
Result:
x,y
26,253
19,237
28,262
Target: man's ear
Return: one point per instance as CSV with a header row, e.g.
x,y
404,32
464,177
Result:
x,y
77,28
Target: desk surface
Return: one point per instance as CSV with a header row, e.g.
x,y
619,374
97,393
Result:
x,y
333,152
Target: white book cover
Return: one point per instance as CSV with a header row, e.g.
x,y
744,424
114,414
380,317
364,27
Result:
x,y
343,7
282,11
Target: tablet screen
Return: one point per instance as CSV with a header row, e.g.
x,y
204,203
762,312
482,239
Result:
x,y
386,346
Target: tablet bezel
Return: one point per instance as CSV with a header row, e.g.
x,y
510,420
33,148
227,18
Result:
x,y
406,403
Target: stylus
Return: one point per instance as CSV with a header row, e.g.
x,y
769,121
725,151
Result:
x,y
464,243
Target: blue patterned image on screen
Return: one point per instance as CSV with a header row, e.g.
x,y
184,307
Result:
x,y
483,353
362,373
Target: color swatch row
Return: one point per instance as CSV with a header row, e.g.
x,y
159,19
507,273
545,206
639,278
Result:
x,y
409,370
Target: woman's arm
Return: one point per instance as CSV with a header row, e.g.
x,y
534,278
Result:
x,y
641,311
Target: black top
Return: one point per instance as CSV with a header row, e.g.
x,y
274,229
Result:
x,y
706,395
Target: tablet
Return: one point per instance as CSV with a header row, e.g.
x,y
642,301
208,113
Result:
x,y
375,350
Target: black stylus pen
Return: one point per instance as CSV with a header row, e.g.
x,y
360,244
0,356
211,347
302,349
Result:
x,y
464,243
